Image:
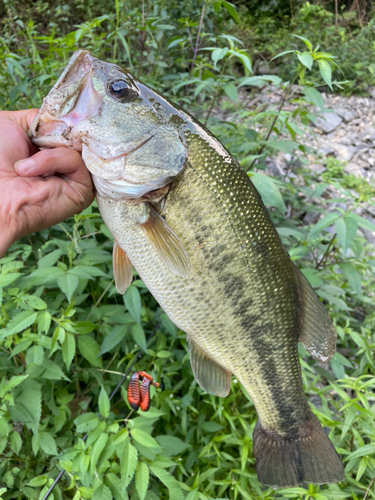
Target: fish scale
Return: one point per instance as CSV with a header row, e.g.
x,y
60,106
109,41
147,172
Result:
x,y
185,214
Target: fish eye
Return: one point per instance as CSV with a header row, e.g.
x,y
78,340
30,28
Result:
x,y
121,91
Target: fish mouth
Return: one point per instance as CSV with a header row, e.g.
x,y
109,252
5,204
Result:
x,y
48,129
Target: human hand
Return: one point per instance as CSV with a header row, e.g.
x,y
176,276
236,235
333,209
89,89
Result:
x,y
38,188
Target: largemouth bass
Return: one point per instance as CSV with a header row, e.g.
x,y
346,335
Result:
x,y
185,214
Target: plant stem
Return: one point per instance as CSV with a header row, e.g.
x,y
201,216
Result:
x,y
283,100
117,25
198,35
326,252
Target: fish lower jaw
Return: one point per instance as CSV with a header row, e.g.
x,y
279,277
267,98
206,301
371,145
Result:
x,y
120,189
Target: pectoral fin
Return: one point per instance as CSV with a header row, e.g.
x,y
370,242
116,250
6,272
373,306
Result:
x,y
210,376
122,268
317,333
166,244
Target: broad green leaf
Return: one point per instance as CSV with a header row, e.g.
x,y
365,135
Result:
x,y
325,222
231,9
367,450
283,145
15,442
192,495
172,445
68,284
132,300
231,91
211,427
326,72
44,321
68,349
38,481
102,493
7,279
35,302
346,229
168,325
96,450
268,190
89,350
128,462
142,475
86,422
366,224
50,259
35,355
52,371
47,443
353,277
314,96
170,482
19,323
306,41
4,427
218,54
104,406
145,439
114,484
113,338
306,59
28,407
139,336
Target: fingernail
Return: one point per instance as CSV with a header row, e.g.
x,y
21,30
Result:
x,y
24,166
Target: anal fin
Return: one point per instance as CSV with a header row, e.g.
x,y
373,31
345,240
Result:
x,y
122,268
166,244
317,333
211,377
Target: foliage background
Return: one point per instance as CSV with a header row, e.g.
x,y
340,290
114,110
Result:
x,y
66,335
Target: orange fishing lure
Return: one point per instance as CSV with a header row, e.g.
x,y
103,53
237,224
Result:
x,y
139,396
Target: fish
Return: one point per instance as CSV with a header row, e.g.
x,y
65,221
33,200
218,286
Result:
x,y
185,214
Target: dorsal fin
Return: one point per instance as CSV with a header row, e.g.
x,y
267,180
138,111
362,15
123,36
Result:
x,y
166,244
317,334
122,268
212,378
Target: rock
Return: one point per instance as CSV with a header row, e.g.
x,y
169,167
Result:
x,y
346,114
368,133
326,151
371,91
318,169
328,122
345,153
353,168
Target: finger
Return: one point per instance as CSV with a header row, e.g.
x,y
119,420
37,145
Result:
x,y
22,118
48,162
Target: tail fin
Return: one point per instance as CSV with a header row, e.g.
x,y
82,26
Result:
x,y
284,462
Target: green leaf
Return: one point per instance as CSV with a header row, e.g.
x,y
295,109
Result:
x,y
113,338
102,493
50,259
346,229
366,224
367,450
96,450
314,96
89,350
268,190
231,9
104,406
142,476
68,349
306,59
139,336
38,481
86,422
115,486
326,72
7,279
325,222
28,407
44,321
132,300
353,277
19,323
68,284
52,371
35,302
145,439
170,482
35,355
47,443
211,427
231,91
128,462
15,442
172,445
306,41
